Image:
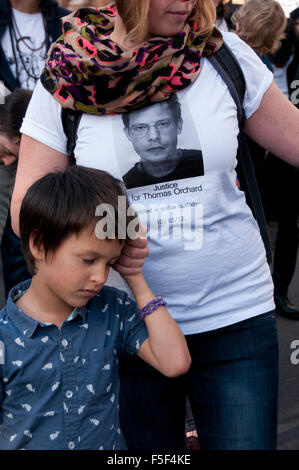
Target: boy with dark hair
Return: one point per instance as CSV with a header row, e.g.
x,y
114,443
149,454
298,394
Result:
x,y
63,331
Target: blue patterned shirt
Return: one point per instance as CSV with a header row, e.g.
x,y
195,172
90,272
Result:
x,y
59,388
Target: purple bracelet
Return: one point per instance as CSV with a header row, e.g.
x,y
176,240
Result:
x,y
151,307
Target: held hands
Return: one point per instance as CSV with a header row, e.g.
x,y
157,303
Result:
x,y
166,348
133,255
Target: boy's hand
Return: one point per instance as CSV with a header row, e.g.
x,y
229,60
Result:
x,y
133,255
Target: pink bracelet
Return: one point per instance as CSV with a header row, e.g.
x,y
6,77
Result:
x,y
151,307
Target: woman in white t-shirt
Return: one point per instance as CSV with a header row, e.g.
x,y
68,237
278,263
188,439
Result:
x,y
206,257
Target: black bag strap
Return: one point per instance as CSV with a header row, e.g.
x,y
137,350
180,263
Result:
x,y
229,69
70,122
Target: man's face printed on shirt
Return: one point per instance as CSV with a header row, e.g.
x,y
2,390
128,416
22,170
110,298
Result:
x,y
154,132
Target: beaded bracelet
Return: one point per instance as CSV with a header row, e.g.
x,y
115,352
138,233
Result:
x,y
151,307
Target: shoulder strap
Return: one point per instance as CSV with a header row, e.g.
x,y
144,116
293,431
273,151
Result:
x,y
229,69
70,122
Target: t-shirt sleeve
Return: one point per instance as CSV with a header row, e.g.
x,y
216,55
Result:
x,y
257,76
133,331
43,122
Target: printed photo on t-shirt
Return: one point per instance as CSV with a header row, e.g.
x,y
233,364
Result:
x,y
154,134
162,167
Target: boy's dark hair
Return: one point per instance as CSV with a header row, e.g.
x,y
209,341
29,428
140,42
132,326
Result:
x,y
61,204
13,111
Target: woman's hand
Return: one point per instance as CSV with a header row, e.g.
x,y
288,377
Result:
x,y
133,255
165,349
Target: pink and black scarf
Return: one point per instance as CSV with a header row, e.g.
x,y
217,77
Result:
x,y
87,71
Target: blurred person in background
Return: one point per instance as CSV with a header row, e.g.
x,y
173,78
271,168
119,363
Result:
x,y
230,8
286,59
293,69
11,116
284,204
27,28
221,21
262,24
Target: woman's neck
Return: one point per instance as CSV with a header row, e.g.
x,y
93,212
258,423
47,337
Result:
x,y
30,6
119,34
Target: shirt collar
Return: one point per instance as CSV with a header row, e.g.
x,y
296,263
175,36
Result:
x,y
25,324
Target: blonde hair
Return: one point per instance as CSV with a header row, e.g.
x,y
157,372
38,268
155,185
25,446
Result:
x,y
134,14
261,24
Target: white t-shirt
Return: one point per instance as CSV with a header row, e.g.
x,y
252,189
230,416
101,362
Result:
x,y
206,258
221,24
29,46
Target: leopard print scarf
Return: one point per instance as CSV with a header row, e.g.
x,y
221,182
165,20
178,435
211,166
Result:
x,y
86,71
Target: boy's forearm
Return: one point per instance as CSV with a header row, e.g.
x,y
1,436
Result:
x,y
167,342
140,289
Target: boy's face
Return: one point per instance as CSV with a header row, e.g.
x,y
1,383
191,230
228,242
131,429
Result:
x,y
9,149
78,270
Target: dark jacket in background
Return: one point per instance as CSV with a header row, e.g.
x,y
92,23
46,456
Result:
x,y
52,13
